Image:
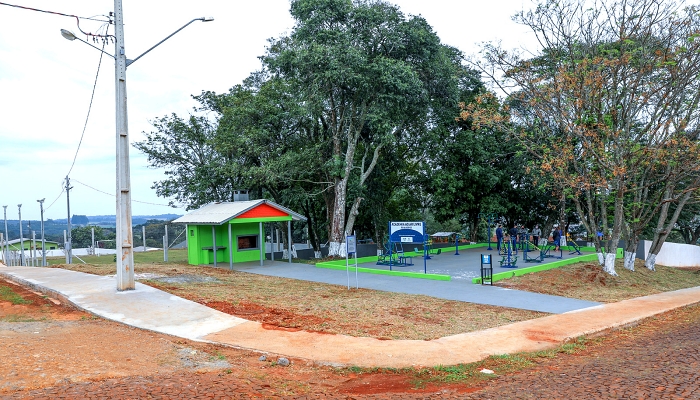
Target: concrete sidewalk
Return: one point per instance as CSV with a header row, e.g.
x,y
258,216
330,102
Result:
x,y
155,310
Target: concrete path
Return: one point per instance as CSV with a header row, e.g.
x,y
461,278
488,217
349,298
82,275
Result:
x,y
155,310
459,290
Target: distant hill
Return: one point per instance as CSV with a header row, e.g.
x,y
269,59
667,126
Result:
x,y
55,227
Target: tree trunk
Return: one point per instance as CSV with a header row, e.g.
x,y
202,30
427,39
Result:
x,y
663,229
337,236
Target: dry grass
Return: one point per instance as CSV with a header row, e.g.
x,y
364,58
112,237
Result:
x,y
325,308
587,281
311,306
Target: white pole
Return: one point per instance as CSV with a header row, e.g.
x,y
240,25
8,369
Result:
x,y
21,238
69,242
125,239
289,239
7,236
143,235
93,241
2,249
65,243
43,240
165,244
32,252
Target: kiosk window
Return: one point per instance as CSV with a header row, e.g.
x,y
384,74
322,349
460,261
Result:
x,y
248,242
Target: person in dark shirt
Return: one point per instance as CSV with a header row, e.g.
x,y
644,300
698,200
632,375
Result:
x,y
556,236
499,237
514,236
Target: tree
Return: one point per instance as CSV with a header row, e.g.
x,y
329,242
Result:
x,y
368,76
194,169
612,102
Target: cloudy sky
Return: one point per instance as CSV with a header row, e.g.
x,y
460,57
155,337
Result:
x,y
46,82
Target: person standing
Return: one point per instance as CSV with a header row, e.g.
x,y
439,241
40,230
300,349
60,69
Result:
x,y
499,237
556,235
514,236
536,233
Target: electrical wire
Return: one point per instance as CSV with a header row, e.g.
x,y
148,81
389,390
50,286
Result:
x,y
77,18
57,197
87,117
111,195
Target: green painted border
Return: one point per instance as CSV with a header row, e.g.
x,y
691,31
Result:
x,y
340,265
528,270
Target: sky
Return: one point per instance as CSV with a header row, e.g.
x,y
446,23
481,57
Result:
x,y
46,84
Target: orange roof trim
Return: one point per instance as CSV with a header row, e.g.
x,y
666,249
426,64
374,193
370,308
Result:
x,y
262,211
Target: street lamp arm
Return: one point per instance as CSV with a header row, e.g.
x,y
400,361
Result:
x,y
70,36
204,19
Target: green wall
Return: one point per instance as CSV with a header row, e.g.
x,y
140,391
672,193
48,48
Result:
x,y
200,237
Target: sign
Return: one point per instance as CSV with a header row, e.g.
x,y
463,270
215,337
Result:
x,y
351,243
407,232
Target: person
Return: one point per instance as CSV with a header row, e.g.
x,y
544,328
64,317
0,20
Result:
x,y
556,235
514,236
536,233
499,237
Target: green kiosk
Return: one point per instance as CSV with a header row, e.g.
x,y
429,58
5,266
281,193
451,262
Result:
x,y
233,231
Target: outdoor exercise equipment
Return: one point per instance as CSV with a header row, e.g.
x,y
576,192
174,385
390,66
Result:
x,y
545,252
527,249
490,217
409,233
393,254
574,245
508,261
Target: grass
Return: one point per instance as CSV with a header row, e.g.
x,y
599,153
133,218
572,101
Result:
x,y
20,318
470,374
587,281
149,257
7,294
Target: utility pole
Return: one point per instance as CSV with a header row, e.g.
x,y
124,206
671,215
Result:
x,y
69,241
7,237
21,238
165,243
125,238
43,241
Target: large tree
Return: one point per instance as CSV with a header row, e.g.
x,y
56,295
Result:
x,y
612,100
369,76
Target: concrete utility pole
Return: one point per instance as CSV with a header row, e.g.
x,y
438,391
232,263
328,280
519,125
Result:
x,y
21,239
7,237
69,241
125,238
43,241
165,243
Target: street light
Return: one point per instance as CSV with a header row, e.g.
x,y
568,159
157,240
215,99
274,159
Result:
x,y
125,239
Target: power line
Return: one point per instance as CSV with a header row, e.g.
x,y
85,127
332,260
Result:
x,y
77,18
54,12
111,195
87,117
57,197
